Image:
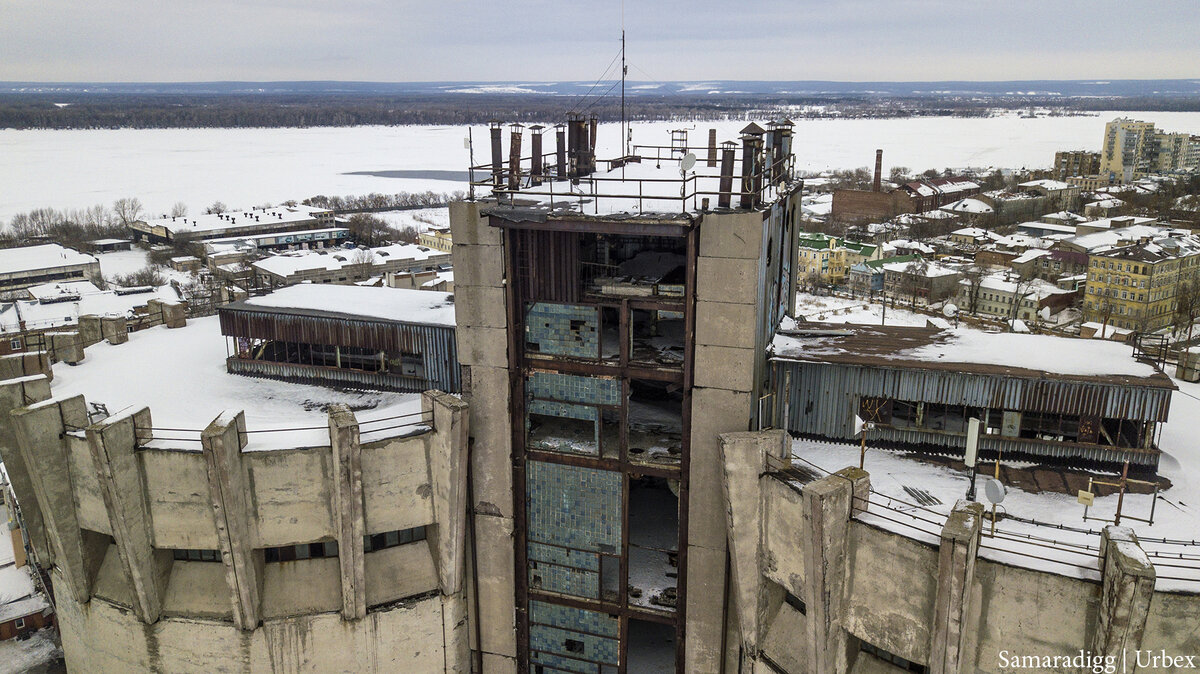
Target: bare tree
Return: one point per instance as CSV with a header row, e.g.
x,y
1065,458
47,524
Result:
x,y
368,230
179,210
973,274
362,263
1022,288
914,280
216,207
127,210
1187,307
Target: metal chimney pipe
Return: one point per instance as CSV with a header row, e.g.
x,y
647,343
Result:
x,y
575,131
535,146
593,125
751,168
712,148
514,157
560,133
877,185
497,154
728,148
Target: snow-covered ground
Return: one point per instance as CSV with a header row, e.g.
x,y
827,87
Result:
x,y
247,167
833,309
180,375
1176,515
38,653
422,218
124,262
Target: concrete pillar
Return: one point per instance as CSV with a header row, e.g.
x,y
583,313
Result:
x,y
68,347
349,523
1125,598
14,394
40,430
744,456
829,503
90,330
447,457
15,365
229,492
154,308
953,607
174,315
455,629
115,329
113,445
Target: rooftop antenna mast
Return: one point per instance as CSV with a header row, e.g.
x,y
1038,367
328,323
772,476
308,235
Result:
x,y
624,71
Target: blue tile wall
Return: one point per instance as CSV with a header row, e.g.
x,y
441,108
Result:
x,y
552,408
552,640
573,507
573,388
575,444
563,664
568,617
565,557
563,580
563,329
551,625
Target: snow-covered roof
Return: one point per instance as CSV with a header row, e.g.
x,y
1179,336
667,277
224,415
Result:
x,y
394,304
1030,255
1111,237
968,205
973,232
932,269
1031,288
180,375
286,264
80,300
1051,185
45,256
1111,202
215,223
908,245
963,348
19,596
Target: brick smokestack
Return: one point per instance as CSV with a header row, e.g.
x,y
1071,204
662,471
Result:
x,y
878,171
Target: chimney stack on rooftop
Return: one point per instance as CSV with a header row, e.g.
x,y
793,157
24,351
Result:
x,y
535,147
514,156
712,148
752,144
728,150
877,185
497,154
560,150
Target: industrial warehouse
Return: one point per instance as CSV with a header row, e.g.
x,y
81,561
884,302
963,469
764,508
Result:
x,y
652,465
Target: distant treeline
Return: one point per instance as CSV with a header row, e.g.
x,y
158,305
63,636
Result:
x,y
151,111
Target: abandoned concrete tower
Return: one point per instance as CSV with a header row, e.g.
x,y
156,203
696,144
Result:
x,y
613,317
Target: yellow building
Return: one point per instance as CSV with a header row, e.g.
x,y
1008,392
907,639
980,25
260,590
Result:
x,y
830,258
437,238
1135,285
1134,149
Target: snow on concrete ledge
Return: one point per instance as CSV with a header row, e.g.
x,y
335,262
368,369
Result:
x,y
393,304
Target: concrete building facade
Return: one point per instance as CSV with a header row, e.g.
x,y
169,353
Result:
x,y
165,557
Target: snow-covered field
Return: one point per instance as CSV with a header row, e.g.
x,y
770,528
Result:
x,y
246,167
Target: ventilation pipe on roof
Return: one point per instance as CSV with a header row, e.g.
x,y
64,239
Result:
x,y
712,148
514,157
593,125
728,150
497,154
560,158
752,143
535,147
575,132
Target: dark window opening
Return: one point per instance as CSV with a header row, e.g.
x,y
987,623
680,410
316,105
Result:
x,y
655,412
651,647
196,555
892,658
653,543
290,553
392,539
795,602
555,433
657,337
633,266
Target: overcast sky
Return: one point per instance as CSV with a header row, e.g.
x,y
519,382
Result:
x,y
547,40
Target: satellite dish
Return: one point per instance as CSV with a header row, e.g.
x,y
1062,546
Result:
x,y
949,311
994,490
688,161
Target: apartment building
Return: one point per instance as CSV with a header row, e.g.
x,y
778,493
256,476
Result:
x,y
830,258
1134,283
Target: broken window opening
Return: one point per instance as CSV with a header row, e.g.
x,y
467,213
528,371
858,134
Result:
x,y
653,543
657,337
650,648
655,422
633,266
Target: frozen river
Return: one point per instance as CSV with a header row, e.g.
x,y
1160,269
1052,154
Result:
x,y
247,167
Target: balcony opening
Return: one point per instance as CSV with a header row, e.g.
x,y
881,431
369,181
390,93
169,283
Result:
x,y
633,266
655,422
651,647
653,543
657,337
